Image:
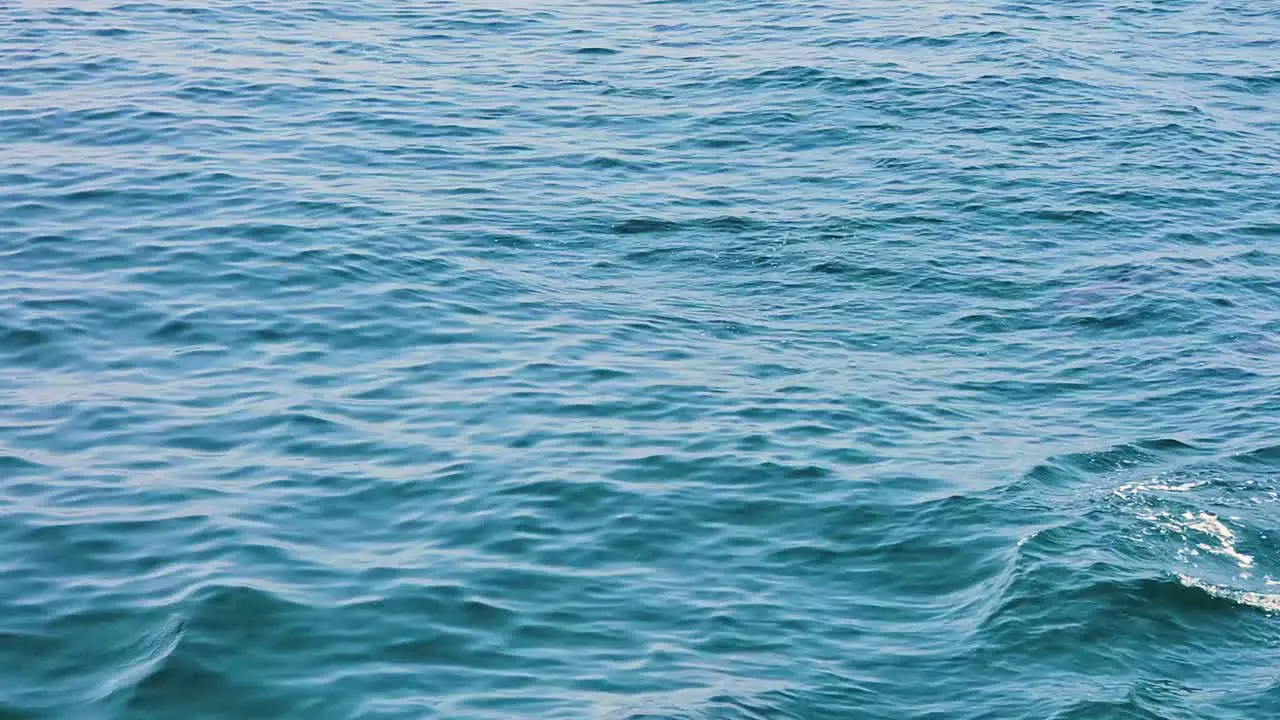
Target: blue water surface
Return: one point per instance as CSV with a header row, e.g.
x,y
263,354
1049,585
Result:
x,y
714,359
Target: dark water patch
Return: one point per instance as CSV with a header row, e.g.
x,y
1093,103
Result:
x,y
802,76
649,225
14,465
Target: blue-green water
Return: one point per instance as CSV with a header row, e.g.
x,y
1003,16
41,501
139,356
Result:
x,y
640,360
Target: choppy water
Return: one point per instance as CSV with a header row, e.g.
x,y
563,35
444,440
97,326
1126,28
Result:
x,y
640,360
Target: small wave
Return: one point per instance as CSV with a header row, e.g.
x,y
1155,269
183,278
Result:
x,y
727,697
1268,602
149,655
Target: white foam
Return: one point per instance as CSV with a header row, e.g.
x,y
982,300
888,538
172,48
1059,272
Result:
x,y
1209,524
1206,530
1137,487
1270,602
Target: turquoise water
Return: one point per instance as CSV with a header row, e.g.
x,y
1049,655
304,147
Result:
x,y
680,360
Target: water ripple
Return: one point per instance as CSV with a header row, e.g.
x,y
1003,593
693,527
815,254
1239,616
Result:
x,y
663,360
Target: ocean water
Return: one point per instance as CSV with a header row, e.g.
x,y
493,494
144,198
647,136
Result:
x,y
684,360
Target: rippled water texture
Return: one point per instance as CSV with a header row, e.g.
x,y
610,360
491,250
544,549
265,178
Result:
x,y
682,360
